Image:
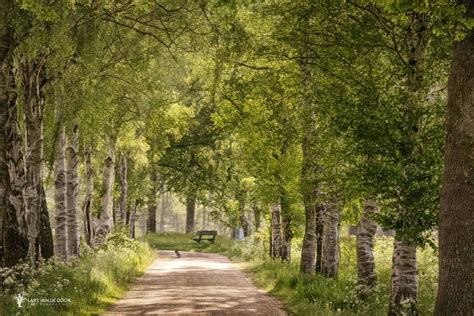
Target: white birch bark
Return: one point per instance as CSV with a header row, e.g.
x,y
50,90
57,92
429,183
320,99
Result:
x,y
105,226
87,206
365,249
276,232
60,196
72,189
330,251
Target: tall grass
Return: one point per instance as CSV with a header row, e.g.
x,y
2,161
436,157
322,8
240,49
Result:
x,y
314,295
80,286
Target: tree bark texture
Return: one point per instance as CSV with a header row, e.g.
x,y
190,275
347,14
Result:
x,y
244,222
164,209
330,251
87,206
60,196
33,84
456,222
276,233
309,173
319,237
72,190
190,212
105,226
366,229
13,230
45,235
404,288
123,189
132,219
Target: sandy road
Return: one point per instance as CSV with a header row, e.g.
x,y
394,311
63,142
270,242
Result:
x,y
195,284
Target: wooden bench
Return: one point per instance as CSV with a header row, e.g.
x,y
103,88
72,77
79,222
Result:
x,y
209,235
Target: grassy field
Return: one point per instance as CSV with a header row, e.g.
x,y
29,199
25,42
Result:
x,y
83,286
314,295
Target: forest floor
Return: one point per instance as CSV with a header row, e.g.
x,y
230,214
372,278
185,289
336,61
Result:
x,y
195,284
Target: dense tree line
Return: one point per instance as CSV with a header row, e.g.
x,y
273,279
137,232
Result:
x,y
282,116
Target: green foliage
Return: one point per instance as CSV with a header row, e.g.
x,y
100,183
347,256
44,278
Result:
x,y
87,285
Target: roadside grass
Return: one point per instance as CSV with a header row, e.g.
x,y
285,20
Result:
x,y
185,242
315,295
89,284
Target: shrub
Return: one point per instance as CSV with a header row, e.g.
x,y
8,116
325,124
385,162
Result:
x,y
84,285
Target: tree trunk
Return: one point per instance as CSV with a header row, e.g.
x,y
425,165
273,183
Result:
x,y
45,236
105,226
257,214
276,233
286,219
243,219
330,251
87,206
204,217
319,237
164,202
13,230
308,249
72,189
123,189
190,210
60,196
133,213
33,85
404,291
151,215
456,223
366,229
404,275
309,173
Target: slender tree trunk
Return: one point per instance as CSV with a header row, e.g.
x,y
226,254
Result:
x,y
204,217
33,83
319,237
243,219
72,189
456,223
276,233
152,215
60,196
308,249
404,291
105,226
133,213
123,189
13,230
257,214
309,173
190,210
286,219
87,206
45,236
366,229
164,197
330,253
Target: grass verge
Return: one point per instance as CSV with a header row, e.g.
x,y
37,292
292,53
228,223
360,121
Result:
x,y
80,286
315,295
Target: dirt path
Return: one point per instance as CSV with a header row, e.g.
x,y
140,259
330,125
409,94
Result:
x,y
195,284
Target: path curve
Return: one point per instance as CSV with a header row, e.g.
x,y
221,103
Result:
x,y
195,284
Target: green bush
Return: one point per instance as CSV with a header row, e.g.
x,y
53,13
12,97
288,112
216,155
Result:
x,y
86,285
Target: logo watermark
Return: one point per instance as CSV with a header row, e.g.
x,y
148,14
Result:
x,y
20,299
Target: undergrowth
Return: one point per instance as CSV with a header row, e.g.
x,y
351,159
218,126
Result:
x,y
314,295
79,286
